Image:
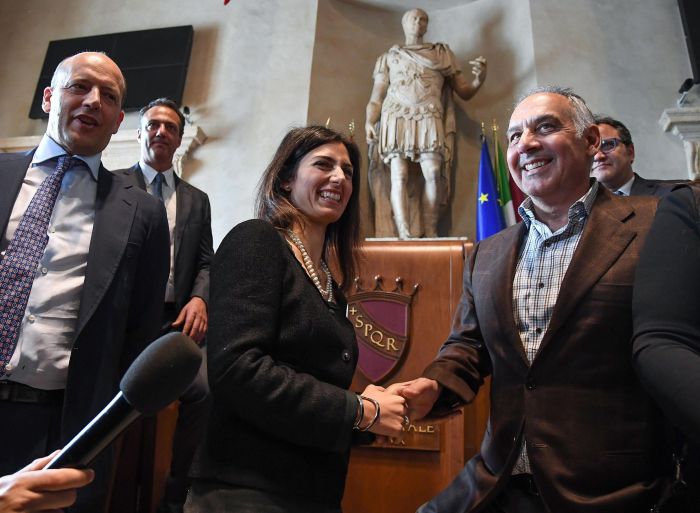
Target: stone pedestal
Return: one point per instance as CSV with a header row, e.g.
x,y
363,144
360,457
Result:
x,y
685,123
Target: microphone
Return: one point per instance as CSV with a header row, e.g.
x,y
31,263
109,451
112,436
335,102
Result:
x,y
158,376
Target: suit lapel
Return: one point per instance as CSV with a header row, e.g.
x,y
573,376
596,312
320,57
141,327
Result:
x,y
504,256
140,180
114,215
183,206
13,170
604,238
642,187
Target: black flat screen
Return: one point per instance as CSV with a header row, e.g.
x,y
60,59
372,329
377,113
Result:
x,y
154,63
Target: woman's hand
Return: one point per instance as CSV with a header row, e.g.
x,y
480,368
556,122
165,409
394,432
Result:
x,y
392,412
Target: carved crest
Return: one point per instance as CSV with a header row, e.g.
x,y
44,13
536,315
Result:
x,y
381,320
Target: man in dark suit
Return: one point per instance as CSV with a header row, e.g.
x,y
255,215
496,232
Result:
x,y
546,312
612,165
191,249
99,268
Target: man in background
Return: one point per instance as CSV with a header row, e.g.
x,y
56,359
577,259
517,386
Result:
x,y
612,165
84,265
191,249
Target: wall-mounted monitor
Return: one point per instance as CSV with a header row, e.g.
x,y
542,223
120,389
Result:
x,y
154,63
690,16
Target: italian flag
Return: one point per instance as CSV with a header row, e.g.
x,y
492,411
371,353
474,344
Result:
x,y
509,195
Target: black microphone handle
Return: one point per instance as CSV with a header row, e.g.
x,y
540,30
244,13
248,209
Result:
x,y
98,434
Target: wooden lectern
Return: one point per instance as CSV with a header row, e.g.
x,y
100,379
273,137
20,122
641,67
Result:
x,y
404,475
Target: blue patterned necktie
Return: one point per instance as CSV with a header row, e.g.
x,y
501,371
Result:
x,y
18,268
158,186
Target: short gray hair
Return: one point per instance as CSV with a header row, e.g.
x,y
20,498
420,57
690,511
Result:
x,y
582,115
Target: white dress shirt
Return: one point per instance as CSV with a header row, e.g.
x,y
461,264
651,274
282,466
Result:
x,y
47,333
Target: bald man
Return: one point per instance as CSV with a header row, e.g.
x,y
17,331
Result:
x,y
96,249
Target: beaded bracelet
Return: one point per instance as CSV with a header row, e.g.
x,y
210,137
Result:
x,y
376,413
360,413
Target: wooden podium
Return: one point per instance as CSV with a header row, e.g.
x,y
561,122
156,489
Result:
x,y
401,477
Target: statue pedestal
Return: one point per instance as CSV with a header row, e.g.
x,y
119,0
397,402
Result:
x,y
398,338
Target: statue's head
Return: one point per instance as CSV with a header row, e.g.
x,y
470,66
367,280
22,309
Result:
x,y
415,22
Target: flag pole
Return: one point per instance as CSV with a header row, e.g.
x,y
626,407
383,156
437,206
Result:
x,y
494,128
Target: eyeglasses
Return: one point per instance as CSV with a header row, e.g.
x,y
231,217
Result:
x,y
608,145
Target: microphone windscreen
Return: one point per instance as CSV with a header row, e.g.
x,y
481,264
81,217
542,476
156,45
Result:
x,y
161,373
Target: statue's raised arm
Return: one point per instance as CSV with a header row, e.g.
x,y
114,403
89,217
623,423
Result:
x,y
465,89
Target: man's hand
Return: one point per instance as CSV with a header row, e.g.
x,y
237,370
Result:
x,y
193,319
35,490
421,394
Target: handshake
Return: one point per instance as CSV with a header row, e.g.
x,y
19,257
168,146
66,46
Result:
x,y
386,411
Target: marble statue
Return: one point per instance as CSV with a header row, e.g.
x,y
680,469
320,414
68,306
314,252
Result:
x,y
410,118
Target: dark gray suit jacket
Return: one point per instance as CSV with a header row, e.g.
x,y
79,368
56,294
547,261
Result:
x,y
193,239
644,187
121,302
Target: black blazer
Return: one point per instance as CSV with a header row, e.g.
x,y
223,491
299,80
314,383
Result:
x,y
666,323
121,302
193,239
280,361
667,307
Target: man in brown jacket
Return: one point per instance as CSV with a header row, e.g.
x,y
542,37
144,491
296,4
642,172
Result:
x,y
546,312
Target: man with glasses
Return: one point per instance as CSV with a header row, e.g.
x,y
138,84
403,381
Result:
x,y
612,165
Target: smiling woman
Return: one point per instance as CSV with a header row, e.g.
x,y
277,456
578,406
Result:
x,y
322,186
281,351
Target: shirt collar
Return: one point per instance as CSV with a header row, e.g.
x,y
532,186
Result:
x,y
580,209
627,188
49,149
149,174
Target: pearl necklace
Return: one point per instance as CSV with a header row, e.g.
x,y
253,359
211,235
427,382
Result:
x,y
311,270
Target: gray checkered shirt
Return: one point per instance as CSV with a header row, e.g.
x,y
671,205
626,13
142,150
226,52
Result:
x,y
543,260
